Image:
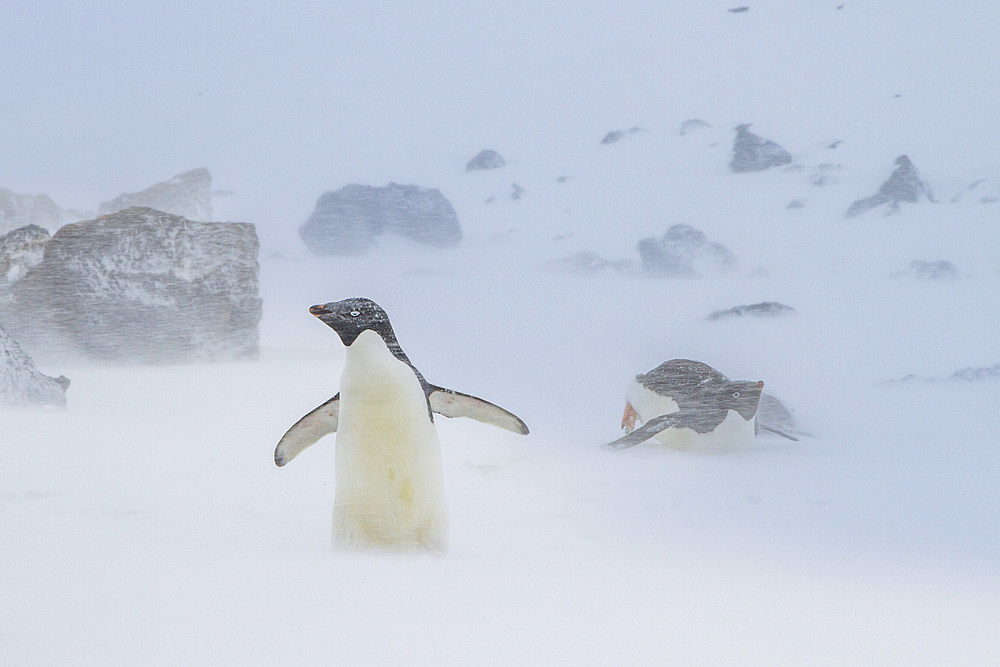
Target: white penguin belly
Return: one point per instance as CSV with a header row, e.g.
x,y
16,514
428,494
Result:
x,y
389,481
734,431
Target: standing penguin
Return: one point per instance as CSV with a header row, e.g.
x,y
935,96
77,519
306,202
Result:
x,y
687,403
389,489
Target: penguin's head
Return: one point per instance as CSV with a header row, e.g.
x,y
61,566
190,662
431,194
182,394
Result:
x,y
743,397
350,317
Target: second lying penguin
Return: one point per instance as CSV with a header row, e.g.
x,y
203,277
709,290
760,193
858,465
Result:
x,y
684,403
389,489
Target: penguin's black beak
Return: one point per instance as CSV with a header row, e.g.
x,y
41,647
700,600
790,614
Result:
x,y
319,310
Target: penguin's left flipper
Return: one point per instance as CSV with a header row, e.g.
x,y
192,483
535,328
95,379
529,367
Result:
x,y
777,432
307,431
645,432
451,403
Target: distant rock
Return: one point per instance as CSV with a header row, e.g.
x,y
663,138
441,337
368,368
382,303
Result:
x,y
516,191
738,10
589,262
937,270
141,286
21,384
188,195
614,136
796,203
348,221
485,159
684,252
17,210
969,374
904,185
20,250
762,309
824,174
754,153
693,125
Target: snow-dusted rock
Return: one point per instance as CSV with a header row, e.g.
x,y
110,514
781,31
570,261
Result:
x,y
17,210
614,136
684,252
762,309
142,286
20,250
904,184
755,153
188,195
485,159
693,125
937,270
20,381
346,222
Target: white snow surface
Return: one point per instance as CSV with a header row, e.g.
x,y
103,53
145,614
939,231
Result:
x,y
147,523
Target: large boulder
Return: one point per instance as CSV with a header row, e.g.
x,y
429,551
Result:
x,y
755,153
188,195
20,381
348,221
17,210
20,250
485,159
684,252
143,286
904,185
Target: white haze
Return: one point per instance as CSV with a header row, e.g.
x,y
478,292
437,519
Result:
x,y
147,524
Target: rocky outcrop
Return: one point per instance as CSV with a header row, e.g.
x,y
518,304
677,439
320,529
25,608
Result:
x,y
20,250
614,136
755,153
762,309
904,185
968,374
141,286
188,195
348,221
485,159
684,252
17,210
21,383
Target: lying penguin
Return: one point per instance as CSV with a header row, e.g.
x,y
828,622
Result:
x,y
389,489
684,403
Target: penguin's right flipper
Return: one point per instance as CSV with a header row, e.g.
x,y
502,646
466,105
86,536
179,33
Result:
x,y
777,432
451,403
644,432
308,430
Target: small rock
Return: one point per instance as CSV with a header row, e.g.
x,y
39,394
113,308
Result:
x,y
21,384
693,125
938,270
762,309
485,159
904,185
684,252
754,153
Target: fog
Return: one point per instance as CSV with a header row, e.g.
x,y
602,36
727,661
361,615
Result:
x,y
147,522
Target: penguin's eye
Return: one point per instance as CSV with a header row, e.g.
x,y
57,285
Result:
x,y
736,394
355,313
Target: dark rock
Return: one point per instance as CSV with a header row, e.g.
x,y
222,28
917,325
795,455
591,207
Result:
x,y
693,125
796,203
939,270
738,10
346,222
485,159
21,383
20,250
683,252
824,174
615,136
142,286
516,191
762,309
754,153
188,195
904,185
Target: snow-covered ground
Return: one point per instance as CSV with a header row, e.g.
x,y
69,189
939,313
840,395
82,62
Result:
x,y
147,523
